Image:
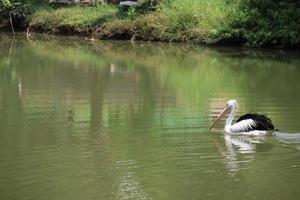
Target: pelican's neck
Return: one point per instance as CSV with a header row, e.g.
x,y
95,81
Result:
x,y
230,117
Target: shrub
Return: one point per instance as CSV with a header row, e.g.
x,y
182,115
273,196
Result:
x,y
269,22
258,23
15,9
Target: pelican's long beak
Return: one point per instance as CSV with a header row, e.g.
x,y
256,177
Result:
x,y
221,115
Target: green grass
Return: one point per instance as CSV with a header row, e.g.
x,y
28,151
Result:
x,y
77,18
197,21
199,17
260,23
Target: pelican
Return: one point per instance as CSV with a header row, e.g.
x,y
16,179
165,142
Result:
x,y
248,124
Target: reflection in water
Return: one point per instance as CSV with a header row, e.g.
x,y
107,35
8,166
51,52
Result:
x,y
243,143
108,120
247,144
287,137
232,144
235,145
129,184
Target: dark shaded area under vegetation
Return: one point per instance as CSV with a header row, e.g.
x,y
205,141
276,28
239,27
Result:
x,y
255,23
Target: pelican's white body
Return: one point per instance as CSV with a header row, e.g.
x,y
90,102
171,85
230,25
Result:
x,y
240,127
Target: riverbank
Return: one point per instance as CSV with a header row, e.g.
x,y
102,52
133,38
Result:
x,y
255,24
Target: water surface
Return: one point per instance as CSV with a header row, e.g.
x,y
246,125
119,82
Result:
x,y
115,120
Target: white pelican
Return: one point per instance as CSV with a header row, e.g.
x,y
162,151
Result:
x,y
249,124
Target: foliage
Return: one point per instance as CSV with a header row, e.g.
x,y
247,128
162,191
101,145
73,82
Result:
x,y
132,13
4,3
148,5
76,18
258,23
16,9
271,22
4,8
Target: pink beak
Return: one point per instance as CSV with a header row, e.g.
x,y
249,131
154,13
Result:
x,y
221,115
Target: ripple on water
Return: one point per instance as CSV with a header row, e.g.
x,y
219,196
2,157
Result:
x,y
99,122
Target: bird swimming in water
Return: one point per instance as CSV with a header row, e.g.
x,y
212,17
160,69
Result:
x,y
248,124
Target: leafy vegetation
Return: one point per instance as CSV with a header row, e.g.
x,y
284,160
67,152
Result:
x,y
75,19
269,22
257,23
18,10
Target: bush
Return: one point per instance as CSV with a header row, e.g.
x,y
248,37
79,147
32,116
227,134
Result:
x,y
257,23
17,10
269,23
148,5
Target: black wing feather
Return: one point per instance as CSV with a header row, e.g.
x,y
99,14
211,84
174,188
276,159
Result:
x,y
262,122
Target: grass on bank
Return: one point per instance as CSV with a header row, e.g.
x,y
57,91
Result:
x,y
77,19
258,23
198,21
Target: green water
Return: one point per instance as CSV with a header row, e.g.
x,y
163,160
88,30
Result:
x,y
115,120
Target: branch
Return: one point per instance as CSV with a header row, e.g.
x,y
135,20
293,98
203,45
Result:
x,y
11,25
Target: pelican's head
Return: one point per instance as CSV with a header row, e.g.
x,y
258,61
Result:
x,y
229,106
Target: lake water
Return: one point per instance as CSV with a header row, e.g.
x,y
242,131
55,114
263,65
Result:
x,y
115,120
